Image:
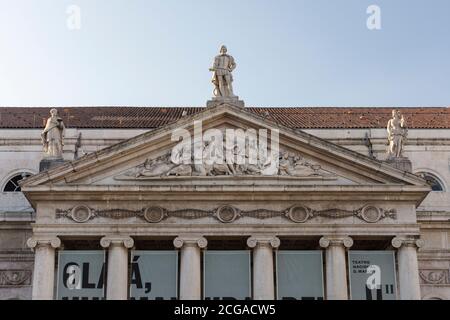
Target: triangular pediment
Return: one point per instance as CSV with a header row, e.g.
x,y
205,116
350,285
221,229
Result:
x,y
146,160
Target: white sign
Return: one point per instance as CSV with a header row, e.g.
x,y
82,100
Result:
x,y
81,275
372,275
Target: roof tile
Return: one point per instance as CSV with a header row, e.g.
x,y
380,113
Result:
x,y
153,117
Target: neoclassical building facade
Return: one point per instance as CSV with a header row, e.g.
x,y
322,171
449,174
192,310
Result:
x,y
118,219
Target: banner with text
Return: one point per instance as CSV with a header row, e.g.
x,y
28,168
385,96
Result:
x,y
154,275
299,275
226,275
372,275
81,275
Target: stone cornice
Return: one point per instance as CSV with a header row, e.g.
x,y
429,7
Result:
x,y
171,229
265,192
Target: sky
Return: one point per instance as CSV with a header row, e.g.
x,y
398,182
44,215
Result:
x,y
288,52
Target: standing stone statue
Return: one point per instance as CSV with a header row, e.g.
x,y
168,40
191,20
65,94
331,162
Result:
x,y
222,78
397,132
52,136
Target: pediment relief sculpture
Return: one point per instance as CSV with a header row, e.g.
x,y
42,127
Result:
x,y
289,165
170,164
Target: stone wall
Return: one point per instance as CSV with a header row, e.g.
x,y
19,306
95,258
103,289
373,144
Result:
x,y
428,150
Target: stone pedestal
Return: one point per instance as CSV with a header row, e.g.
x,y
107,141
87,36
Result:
x,y
336,269
44,266
263,280
403,164
190,266
49,163
408,268
117,280
228,100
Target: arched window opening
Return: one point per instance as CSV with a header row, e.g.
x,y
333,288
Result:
x,y
434,182
13,184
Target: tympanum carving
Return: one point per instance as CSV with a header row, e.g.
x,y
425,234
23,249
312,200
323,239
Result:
x,y
287,164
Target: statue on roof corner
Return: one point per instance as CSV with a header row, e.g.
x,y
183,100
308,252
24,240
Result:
x,y
53,136
397,133
222,69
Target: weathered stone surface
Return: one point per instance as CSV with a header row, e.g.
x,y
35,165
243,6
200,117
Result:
x,y
84,199
47,164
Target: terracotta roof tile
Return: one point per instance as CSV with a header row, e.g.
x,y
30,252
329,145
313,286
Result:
x,y
153,117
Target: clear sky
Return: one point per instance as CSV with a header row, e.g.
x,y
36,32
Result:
x,y
288,52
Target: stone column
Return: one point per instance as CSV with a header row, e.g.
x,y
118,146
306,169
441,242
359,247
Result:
x,y
336,268
263,281
190,267
408,268
44,265
117,280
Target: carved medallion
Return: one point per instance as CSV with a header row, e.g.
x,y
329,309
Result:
x,y
154,214
227,213
371,214
81,213
299,214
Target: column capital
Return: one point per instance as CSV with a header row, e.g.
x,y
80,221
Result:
x,y
117,240
399,241
190,240
263,240
328,241
49,241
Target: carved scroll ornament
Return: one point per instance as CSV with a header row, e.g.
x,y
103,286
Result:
x,y
226,213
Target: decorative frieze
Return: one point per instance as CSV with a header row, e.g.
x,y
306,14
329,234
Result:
x,y
227,213
434,276
15,278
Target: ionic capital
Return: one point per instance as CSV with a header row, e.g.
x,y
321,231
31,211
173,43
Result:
x,y
117,240
190,240
398,242
328,241
45,241
262,240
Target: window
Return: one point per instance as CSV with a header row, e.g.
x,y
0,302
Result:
x,y
13,184
433,181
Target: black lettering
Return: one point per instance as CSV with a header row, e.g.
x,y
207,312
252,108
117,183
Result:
x,y
85,282
101,280
136,274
